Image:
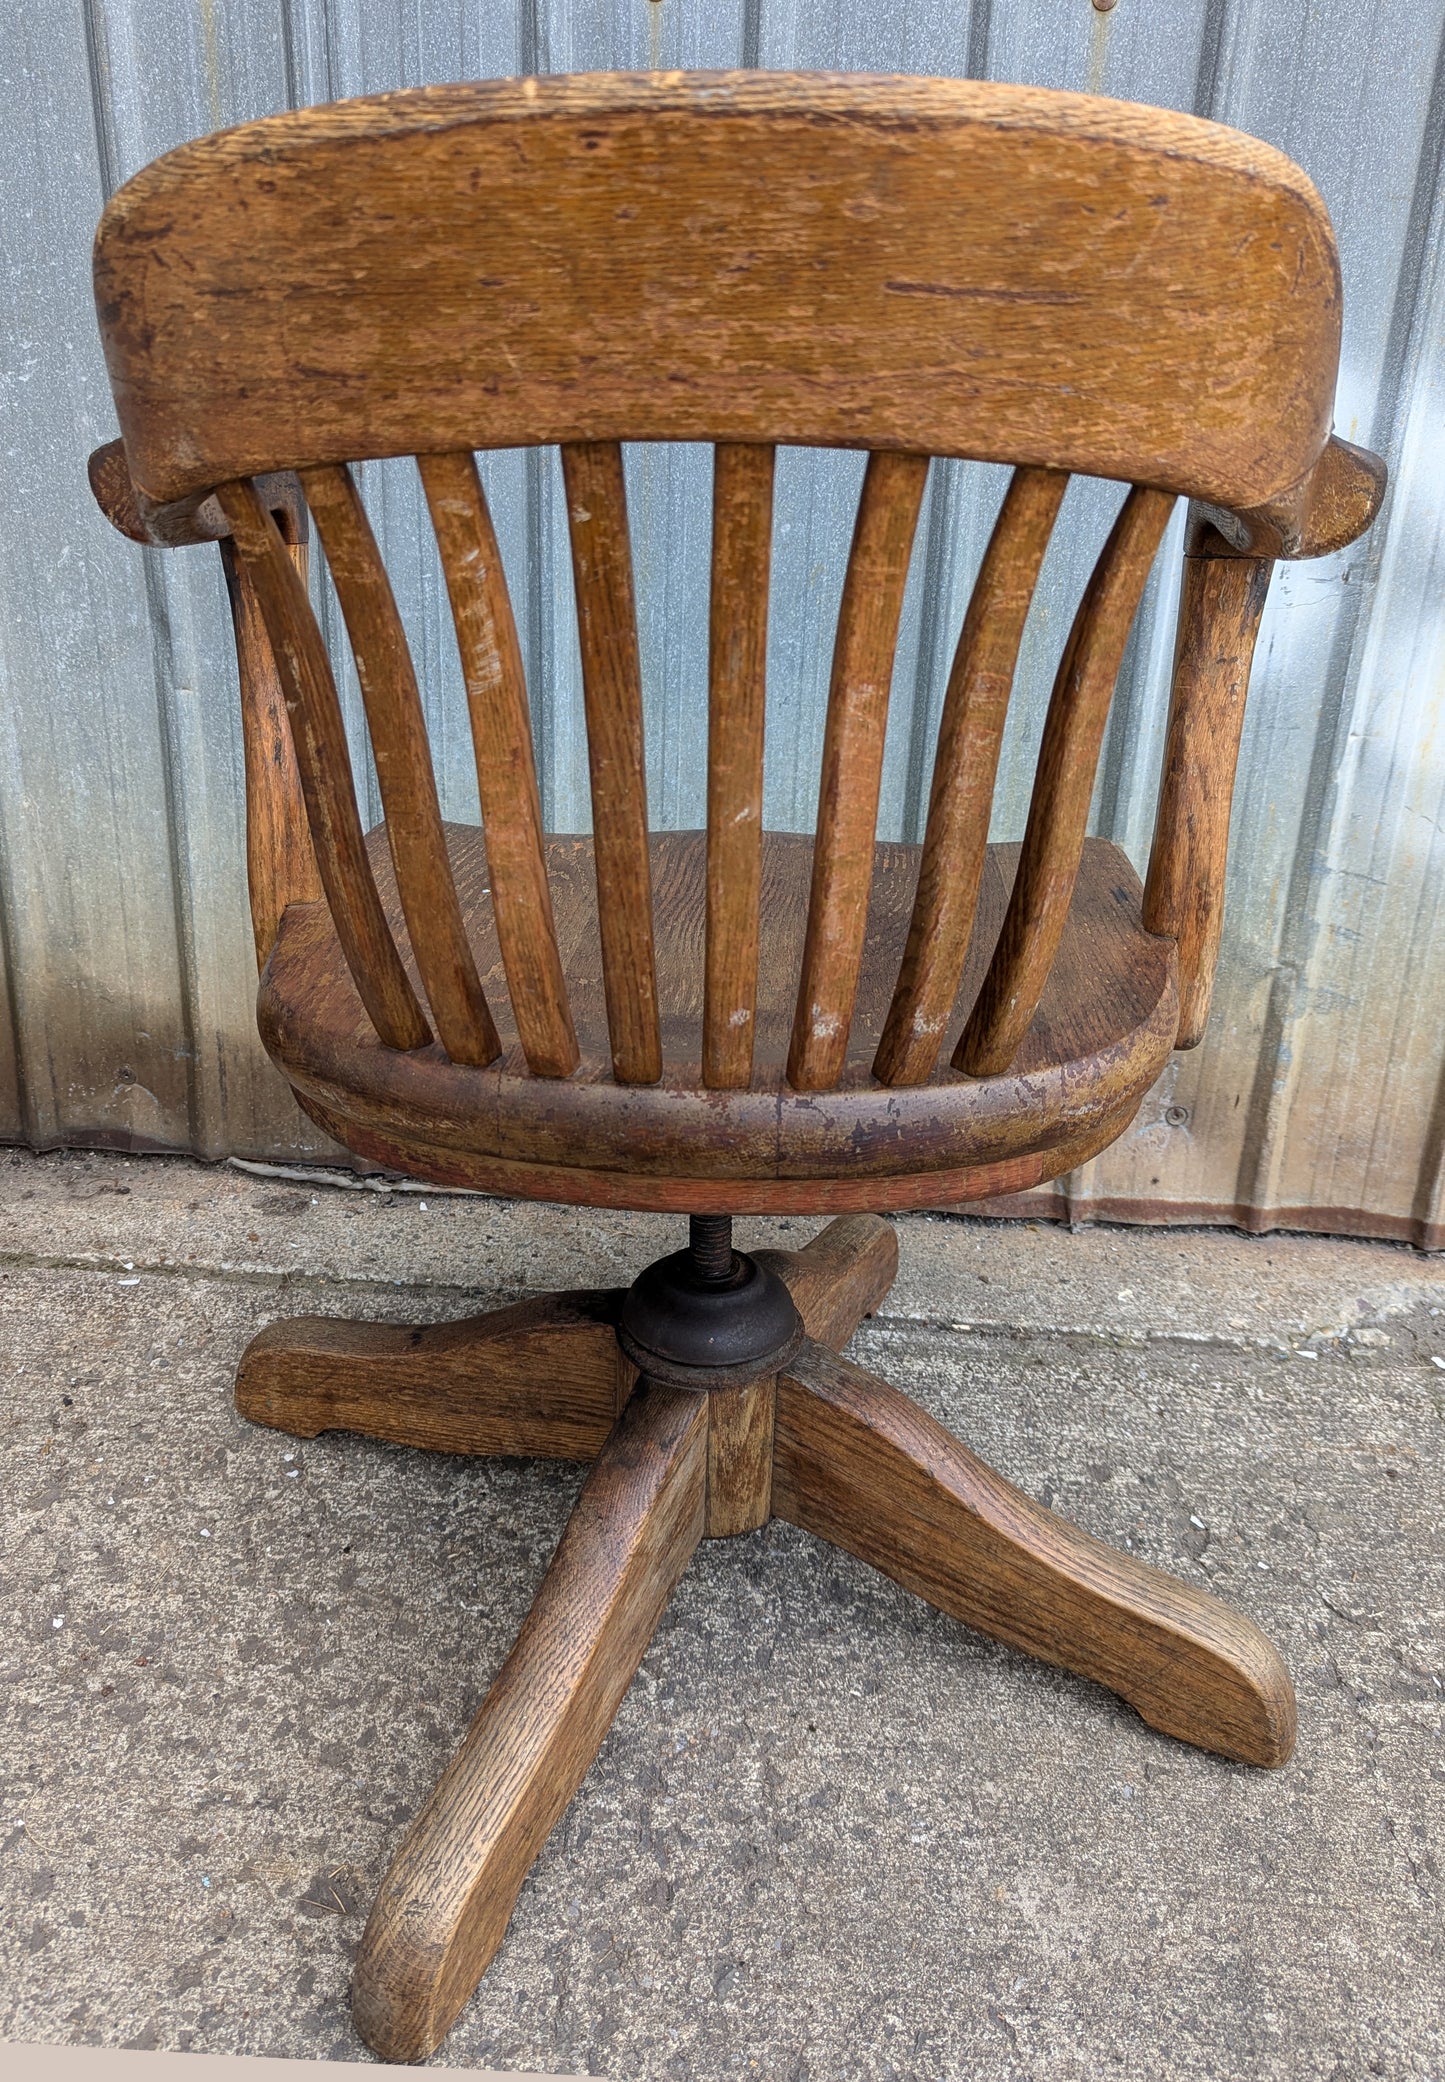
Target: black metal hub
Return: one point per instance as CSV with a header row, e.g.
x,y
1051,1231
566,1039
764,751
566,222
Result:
x,y
709,1316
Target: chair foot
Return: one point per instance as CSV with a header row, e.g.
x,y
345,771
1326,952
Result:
x,y
858,1463
445,1904
543,1377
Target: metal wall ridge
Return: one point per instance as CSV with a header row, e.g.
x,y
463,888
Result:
x,y
1318,1098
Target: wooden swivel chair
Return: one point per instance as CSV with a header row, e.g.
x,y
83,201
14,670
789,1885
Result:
x,y
730,1021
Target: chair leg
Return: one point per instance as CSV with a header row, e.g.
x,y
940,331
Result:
x,y
545,1376
857,1462
840,1277
445,1904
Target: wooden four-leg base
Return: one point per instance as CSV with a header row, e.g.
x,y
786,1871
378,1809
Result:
x,y
827,1446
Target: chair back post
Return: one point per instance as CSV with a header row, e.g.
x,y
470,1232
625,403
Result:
x,y
280,858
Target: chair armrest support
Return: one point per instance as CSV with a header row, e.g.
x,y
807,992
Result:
x,y
1228,559
1220,606
280,862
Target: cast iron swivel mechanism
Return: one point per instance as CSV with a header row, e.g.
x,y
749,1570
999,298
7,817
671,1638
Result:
x,y
708,1317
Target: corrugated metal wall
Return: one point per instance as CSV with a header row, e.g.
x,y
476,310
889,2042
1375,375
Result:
x,y
1318,1098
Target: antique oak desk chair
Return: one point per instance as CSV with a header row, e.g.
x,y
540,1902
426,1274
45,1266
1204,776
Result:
x,y
730,1021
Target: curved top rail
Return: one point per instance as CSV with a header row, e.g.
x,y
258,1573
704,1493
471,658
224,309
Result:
x,y
940,266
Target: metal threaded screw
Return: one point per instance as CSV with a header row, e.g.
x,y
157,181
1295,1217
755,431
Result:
x,y
710,1239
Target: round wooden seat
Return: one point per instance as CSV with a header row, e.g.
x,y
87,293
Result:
x,y
1101,1036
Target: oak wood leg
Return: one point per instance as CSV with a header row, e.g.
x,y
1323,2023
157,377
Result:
x,y
841,1276
835,1280
858,1463
545,1376
445,1904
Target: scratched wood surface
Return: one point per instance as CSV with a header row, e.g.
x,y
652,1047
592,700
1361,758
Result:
x,y
1215,251
100,960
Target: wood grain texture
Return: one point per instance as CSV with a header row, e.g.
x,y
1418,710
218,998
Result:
x,y
404,773
545,1376
840,1276
1102,1034
1063,789
852,775
612,693
506,767
860,1464
114,493
742,534
1221,602
660,257
575,1185
965,767
324,765
739,1458
445,1903
280,858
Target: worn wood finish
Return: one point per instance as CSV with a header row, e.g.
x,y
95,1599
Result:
x,y
862,1465
1102,1034
965,767
840,1276
404,773
280,858
1002,272
506,767
847,823
577,1186
545,1376
1330,507
1063,788
1221,602
324,764
742,534
127,509
612,692
445,1903
739,1458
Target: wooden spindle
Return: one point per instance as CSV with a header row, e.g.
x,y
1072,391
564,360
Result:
x,y
506,768
280,858
1063,788
612,693
1220,605
742,534
853,765
965,767
403,767
324,764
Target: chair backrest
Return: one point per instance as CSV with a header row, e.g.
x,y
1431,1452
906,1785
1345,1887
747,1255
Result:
x,y
913,267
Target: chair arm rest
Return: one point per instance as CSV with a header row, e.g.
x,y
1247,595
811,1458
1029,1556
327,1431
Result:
x,y
1330,507
187,521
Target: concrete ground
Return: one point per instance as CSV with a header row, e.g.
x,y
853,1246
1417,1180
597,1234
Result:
x,y
832,1833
